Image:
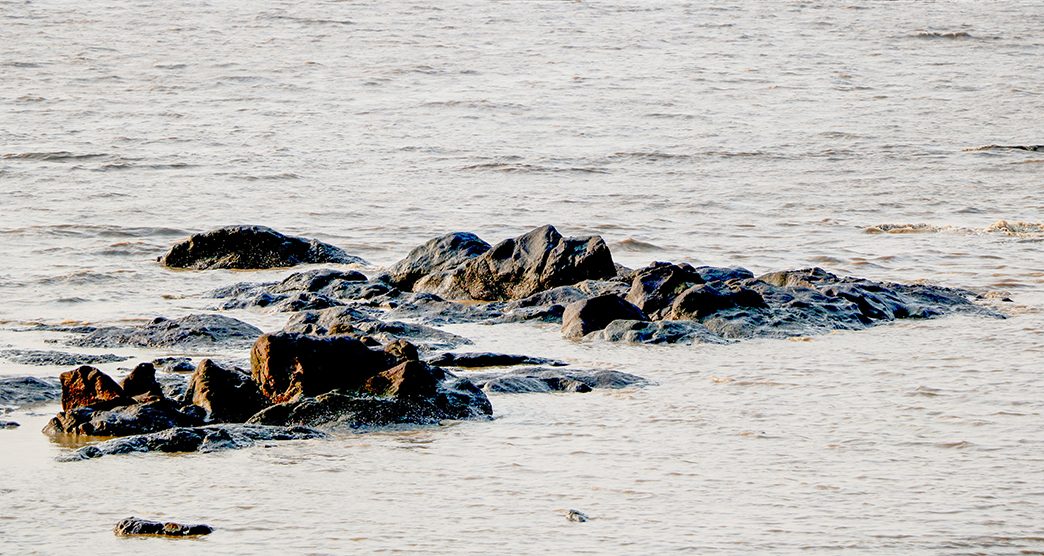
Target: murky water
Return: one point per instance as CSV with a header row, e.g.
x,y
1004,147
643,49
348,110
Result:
x,y
766,134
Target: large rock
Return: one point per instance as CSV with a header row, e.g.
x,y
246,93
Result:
x,y
89,387
139,418
227,395
289,365
436,256
191,330
516,268
133,526
589,315
654,287
251,247
210,438
25,391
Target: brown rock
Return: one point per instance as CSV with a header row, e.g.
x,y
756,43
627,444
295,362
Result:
x,y
402,350
88,387
227,395
142,380
409,380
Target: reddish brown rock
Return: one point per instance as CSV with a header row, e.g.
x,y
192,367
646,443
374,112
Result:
x,y
409,380
227,395
88,387
142,380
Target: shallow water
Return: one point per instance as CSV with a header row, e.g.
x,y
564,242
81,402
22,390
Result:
x,y
769,135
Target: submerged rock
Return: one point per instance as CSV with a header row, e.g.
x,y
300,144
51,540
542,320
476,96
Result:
x,y
227,395
137,418
46,358
487,359
191,330
210,438
25,391
174,365
133,526
516,268
251,247
543,379
589,315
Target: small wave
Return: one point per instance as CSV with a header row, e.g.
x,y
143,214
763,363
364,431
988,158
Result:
x,y
1012,228
634,245
951,35
1034,148
305,20
517,168
1016,228
74,230
902,229
52,156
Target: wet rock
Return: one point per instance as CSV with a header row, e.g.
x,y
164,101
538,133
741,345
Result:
x,y
722,274
549,314
487,359
434,257
353,322
192,330
9,425
26,391
90,388
315,281
544,379
133,526
660,332
139,418
577,516
802,278
586,316
174,365
401,351
289,365
654,287
703,300
141,380
227,395
205,439
173,385
47,358
516,268
371,291
432,309
251,247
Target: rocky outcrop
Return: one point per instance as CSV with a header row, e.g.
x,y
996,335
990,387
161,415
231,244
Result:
x,y
133,526
191,330
589,315
88,387
206,439
428,262
516,268
251,247
544,379
26,391
227,395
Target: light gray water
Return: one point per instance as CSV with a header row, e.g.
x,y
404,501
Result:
x,y
765,134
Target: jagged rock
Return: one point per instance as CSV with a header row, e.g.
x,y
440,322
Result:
x,y
516,268
487,359
47,358
436,256
211,438
227,395
289,365
141,380
660,332
192,330
251,247
133,526
586,316
654,287
703,300
25,391
139,418
543,379
90,388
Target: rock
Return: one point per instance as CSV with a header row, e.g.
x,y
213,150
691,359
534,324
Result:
x,y
436,256
206,439
402,351
48,358
314,281
90,388
139,418
432,309
133,526
803,278
351,321
487,359
722,274
703,300
141,380
288,365
577,516
543,379
654,287
25,391
227,395
251,247
516,268
173,385
9,425
661,332
192,330
174,365
586,316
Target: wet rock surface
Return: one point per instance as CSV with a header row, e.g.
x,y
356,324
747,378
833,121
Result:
x,y
47,358
589,315
488,359
133,526
544,379
132,419
90,388
191,330
354,322
251,247
205,439
26,391
428,262
228,395
142,381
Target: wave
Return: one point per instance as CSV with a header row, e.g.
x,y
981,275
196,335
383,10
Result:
x,y
95,230
1034,148
634,245
1013,228
951,35
521,168
52,156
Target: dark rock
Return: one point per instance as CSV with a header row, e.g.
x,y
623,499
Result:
x,y
139,418
251,247
661,332
141,380
25,391
174,365
402,351
589,315
486,359
316,280
654,287
288,365
133,526
192,330
543,379
371,290
88,387
47,358
432,309
9,425
227,395
722,274
577,516
211,438
516,268
173,385
353,322
803,278
436,256
703,300
550,314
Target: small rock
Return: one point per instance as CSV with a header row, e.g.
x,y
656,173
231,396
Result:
x,y
210,438
191,330
251,247
133,526
577,516
227,395
89,387
9,425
